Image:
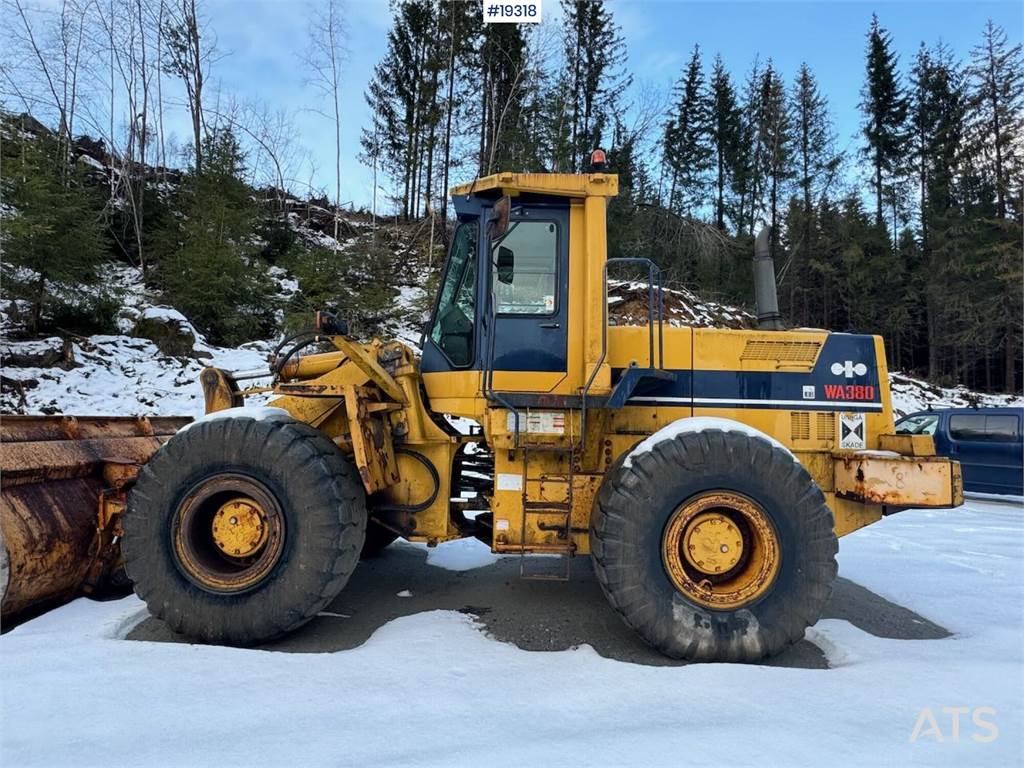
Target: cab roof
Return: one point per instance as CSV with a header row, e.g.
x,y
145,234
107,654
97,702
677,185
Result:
x,y
547,184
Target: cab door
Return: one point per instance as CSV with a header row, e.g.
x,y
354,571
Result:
x,y
528,289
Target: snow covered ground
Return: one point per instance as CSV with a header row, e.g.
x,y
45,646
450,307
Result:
x,y
432,689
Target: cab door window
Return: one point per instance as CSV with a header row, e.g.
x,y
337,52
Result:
x,y
525,269
455,321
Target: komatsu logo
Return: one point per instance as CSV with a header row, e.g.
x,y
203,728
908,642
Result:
x,y
849,369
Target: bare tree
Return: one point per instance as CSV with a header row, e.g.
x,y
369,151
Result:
x,y
324,57
49,45
188,59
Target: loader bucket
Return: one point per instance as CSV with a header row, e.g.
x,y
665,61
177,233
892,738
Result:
x,y
62,485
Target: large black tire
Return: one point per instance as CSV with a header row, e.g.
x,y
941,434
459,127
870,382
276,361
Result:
x,y
321,509
631,513
378,538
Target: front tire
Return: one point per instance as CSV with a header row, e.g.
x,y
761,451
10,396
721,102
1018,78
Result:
x,y
714,546
240,530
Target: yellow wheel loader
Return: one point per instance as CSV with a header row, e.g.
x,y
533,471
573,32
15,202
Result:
x,y
708,473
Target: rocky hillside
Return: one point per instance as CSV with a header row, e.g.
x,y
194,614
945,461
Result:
x,y
148,361
152,366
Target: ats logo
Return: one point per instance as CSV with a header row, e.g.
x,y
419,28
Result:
x,y
849,392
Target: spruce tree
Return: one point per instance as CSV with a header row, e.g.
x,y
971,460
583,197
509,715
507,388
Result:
x,y
996,118
775,144
936,112
595,57
815,165
884,107
725,134
54,236
813,137
997,106
208,265
746,171
402,99
687,140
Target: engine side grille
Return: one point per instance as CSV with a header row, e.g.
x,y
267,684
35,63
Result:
x,y
800,425
781,351
825,428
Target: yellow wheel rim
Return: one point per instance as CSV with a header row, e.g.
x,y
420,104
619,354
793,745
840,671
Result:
x,y
238,528
228,533
721,550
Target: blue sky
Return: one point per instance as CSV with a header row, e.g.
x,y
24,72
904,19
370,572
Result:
x,y
261,42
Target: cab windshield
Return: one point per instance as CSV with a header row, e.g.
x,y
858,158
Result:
x,y
456,309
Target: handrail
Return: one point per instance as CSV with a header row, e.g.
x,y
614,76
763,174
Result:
x,y
652,270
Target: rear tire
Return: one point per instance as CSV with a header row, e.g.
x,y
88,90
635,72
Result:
x,y
637,509
313,524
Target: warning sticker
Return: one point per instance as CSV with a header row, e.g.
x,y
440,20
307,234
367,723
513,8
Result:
x,y
851,431
538,422
509,481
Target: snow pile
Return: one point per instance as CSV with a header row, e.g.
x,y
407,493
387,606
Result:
x,y
628,303
910,395
698,424
961,568
121,376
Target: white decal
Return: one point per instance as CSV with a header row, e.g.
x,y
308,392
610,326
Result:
x,y
500,525
849,369
808,391
851,431
510,481
538,422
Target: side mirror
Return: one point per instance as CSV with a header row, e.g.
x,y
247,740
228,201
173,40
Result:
x,y
506,265
497,226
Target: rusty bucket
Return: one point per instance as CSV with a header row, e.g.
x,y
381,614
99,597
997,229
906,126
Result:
x,y
62,485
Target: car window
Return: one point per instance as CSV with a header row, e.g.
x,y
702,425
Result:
x,y
1004,428
980,427
918,425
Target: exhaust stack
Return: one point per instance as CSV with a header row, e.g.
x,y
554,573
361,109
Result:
x,y
765,291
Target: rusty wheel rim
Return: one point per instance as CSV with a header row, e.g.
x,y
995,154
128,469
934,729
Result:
x,y
228,533
721,550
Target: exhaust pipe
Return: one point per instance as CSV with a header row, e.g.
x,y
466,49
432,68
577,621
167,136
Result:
x,y
765,291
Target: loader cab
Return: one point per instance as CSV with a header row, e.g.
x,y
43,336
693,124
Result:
x,y
503,300
505,318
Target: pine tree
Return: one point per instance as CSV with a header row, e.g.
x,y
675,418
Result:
x,y
725,134
402,99
775,143
505,77
56,240
815,165
595,57
996,118
746,171
884,108
458,22
997,103
207,260
686,144
813,138
936,119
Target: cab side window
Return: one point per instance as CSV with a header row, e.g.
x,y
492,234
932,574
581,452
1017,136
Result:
x,y
524,269
454,323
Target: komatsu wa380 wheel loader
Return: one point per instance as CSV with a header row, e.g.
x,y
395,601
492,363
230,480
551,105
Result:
x,y
708,473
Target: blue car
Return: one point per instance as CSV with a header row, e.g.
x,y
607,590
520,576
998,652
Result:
x,y
987,442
